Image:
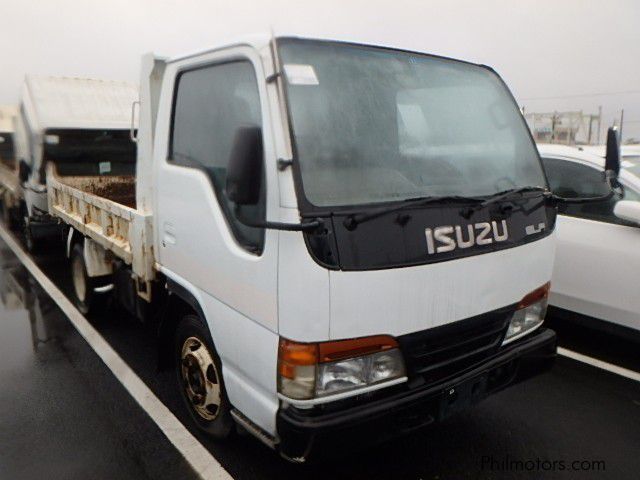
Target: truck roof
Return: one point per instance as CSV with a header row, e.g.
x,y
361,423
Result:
x,y
7,115
69,102
260,41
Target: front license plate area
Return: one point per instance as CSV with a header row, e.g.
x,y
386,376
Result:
x,y
462,395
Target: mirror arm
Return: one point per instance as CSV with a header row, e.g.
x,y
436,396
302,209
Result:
x,y
287,227
611,178
578,200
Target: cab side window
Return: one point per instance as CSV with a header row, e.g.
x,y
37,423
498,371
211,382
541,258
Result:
x,y
210,104
574,180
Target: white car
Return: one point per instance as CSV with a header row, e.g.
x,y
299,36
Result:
x,y
627,152
598,255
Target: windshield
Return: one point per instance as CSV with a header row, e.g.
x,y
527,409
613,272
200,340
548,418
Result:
x,y
375,125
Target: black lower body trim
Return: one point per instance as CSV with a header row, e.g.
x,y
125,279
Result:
x,y
304,433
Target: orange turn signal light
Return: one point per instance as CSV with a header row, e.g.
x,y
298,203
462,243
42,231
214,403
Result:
x,y
535,296
356,347
292,354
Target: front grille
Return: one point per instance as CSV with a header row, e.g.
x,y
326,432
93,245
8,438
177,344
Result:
x,y
441,352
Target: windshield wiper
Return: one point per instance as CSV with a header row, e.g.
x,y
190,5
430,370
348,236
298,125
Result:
x,y
352,221
497,197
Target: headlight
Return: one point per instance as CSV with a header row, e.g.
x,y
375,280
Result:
x,y
310,370
529,315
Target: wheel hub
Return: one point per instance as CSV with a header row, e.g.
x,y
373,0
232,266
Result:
x,y
200,378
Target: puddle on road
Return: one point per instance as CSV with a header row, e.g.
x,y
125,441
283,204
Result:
x,y
29,320
46,401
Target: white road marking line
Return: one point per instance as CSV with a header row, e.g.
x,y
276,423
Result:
x,y
197,456
594,362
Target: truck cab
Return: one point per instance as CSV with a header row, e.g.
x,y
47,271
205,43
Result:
x,y
359,237
80,128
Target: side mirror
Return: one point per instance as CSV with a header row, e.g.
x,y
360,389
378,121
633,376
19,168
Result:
x,y
244,172
24,170
628,210
612,157
611,171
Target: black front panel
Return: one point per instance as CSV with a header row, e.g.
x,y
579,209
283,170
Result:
x,y
429,234
441,352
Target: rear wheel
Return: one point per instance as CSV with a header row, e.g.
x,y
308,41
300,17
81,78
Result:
x,y
83,285
199,377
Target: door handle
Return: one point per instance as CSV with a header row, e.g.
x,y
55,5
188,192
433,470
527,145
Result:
x,y
168,234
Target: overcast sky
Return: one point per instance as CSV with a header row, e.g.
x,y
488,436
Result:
x,y
543,48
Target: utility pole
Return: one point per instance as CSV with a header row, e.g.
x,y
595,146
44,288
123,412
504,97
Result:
x,y
599,124
621,122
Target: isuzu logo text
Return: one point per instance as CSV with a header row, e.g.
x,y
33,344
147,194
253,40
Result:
x,y
449,237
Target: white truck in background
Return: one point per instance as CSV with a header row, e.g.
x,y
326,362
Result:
x,y
76,127
10,189
333,261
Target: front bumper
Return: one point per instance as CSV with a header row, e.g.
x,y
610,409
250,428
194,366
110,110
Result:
x,y
370,419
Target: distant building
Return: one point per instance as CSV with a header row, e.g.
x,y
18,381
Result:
x,y
567,128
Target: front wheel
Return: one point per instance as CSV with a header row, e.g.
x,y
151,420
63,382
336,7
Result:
x,y
199,377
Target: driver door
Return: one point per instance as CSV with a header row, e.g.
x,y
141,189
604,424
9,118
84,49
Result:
x,y
199,237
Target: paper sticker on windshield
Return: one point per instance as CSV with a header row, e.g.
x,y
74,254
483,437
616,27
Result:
x,y
301,74
104,167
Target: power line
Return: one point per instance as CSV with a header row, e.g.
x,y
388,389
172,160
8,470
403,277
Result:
x,y
581,95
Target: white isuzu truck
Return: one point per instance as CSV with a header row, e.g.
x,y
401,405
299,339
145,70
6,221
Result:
x,y
77,127
343,242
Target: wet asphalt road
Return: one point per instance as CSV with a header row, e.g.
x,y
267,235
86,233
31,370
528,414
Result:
x,y
63,414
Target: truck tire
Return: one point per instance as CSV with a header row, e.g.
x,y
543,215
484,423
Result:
x,y
9,218
199,378
83,284
30,242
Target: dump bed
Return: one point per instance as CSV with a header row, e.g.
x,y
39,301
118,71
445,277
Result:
x,y
103,209
116,188
115,210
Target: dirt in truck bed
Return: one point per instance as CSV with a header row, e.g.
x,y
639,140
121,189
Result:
x,y
122,193
119,189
